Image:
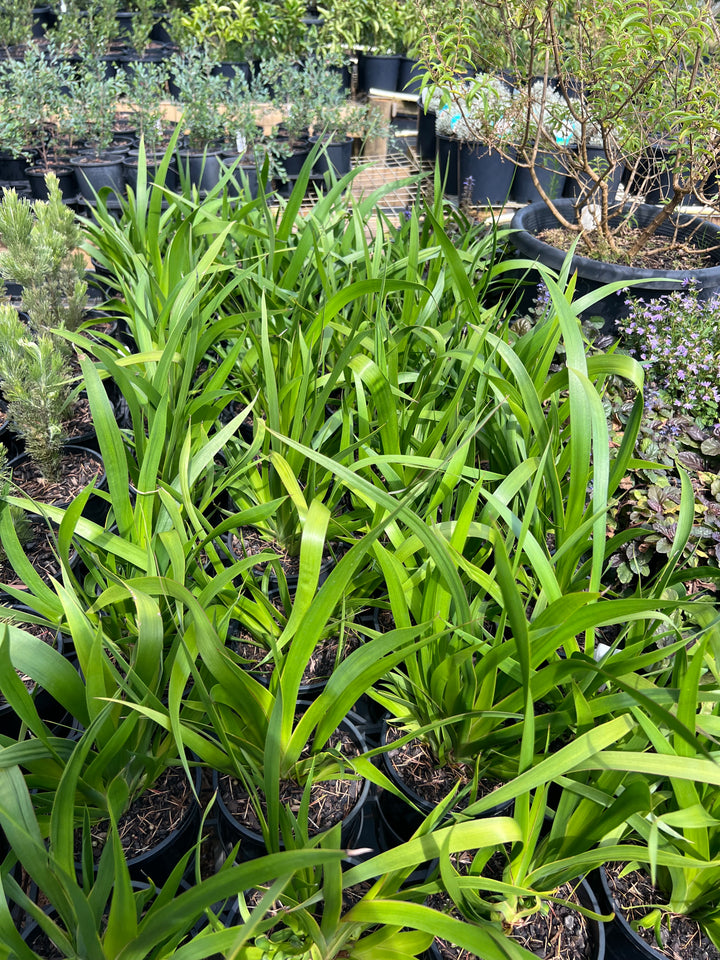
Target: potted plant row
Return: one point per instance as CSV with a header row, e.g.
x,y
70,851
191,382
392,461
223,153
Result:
x,y
220,119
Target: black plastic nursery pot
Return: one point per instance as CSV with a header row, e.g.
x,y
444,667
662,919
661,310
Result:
x,y
485,176
160,859
447,158
94,174
96,508
592,274
623,942
43,947
124,20
43,18
381,72
336,155
653,175
550,174
410,75
293,164
252,844
202,170
152,163
10,440
344,75
160,32
66,181
12,168
243,174
232,69
426,140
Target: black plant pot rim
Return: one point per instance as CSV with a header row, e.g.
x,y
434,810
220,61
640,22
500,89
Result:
x,y
66,448
369,55
89,160
189,824
331,141
24,154
69,448
59,169
537,216
191,152
257,838
480,148
424,805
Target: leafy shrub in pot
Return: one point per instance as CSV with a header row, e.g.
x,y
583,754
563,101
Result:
x,y
39,120
619,81
225,30
85,29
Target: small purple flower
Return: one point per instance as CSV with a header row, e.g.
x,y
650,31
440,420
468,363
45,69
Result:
x,y
677,339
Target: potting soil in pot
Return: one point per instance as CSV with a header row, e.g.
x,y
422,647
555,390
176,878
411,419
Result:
x,y
156,813
681,937
77,469
40,552
327,654
560,931
330,800
415,766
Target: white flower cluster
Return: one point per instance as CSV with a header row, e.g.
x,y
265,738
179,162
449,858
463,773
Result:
x,y
550,112
483,108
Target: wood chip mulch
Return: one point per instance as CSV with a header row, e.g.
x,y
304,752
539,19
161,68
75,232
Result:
x,y
78,470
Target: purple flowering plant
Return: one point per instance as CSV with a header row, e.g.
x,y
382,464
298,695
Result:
x,y
677,339
650,494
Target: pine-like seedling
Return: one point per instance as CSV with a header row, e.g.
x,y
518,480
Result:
x,y
42,241
35,381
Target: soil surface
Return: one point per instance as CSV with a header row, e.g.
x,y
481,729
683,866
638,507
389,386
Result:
x,y
416,767
319,667
657,256
559,932
681,937
247,543
39,551
153,816
77,471
330,800
46,634
81,423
